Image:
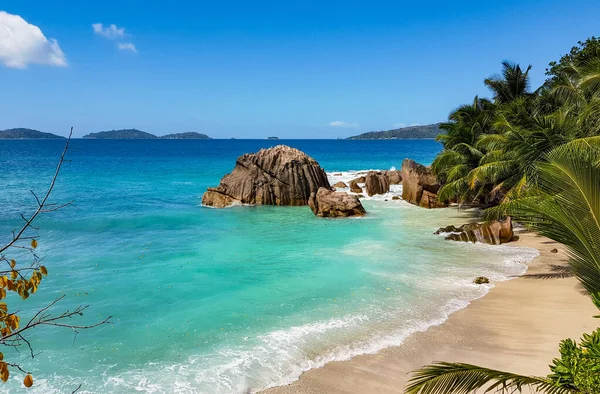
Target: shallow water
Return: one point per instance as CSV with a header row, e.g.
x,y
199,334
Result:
x,y
232,300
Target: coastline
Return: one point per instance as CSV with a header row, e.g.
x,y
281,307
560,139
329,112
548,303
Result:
x,y
516,327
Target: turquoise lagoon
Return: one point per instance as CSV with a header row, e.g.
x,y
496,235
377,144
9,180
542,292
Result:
x,y
233,300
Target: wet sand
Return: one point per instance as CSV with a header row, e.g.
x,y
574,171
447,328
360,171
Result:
x,y
516,327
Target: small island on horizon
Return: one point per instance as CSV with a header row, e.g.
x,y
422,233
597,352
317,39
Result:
x,y
134,134
26,134
430,131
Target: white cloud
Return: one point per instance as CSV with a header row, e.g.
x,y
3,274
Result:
x,y
111,31
339,123
127,46
22,44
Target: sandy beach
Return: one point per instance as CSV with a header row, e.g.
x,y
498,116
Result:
x,y
516,327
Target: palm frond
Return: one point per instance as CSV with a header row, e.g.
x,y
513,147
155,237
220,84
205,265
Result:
x,y
459,378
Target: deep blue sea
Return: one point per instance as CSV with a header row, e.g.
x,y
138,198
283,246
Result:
x,y
225,300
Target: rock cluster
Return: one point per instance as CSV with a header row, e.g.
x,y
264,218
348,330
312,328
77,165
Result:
x,y
419,185
327,203
276,176
494,233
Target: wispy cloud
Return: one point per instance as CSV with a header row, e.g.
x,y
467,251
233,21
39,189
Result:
x,y
339,123
22,43
127,46
111,31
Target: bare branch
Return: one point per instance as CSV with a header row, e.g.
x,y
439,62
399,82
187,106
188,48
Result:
x,y
41,203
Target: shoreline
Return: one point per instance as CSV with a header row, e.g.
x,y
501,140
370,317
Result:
x,y
516,327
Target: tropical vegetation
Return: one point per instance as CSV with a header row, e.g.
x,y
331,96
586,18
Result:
x,y
492,147
534,155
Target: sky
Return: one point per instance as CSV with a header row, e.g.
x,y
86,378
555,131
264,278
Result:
x,y
309,69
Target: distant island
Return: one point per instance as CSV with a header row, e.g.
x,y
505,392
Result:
x,y
412,132
130,134
134,134
273,138
22,134
186,136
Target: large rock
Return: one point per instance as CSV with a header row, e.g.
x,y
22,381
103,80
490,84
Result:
x,y
419,185
394,176
327,203
276,176
354,188
495,232
376,183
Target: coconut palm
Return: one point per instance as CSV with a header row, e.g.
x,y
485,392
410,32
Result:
x,y
566,208
511,84
460,155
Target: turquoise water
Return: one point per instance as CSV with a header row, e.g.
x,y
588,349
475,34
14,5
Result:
x,y
232,300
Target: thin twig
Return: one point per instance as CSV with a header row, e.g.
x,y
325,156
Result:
x,y
43,201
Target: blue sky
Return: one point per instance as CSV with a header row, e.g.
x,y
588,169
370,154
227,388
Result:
x,y
254,69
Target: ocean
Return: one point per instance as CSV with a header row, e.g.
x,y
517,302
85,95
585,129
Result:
x,y
225,300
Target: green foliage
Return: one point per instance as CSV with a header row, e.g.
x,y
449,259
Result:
x,y
540,161
566,206
459,378
492,149
578,367
583,52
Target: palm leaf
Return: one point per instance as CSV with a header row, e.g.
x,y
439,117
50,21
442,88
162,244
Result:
x,y
459,378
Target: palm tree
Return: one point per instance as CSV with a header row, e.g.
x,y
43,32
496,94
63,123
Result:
x,y
461,155
566,208
512,84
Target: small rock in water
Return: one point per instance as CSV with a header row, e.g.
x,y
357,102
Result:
x,y
396,198
337,174
376,183
554,250
327,203
354,188
340,185
481,280
494,233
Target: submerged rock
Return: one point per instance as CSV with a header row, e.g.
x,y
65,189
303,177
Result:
x,y
340,185
494,233
276,176
395,197
354,188
481,280
327,203
376,183
419,185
